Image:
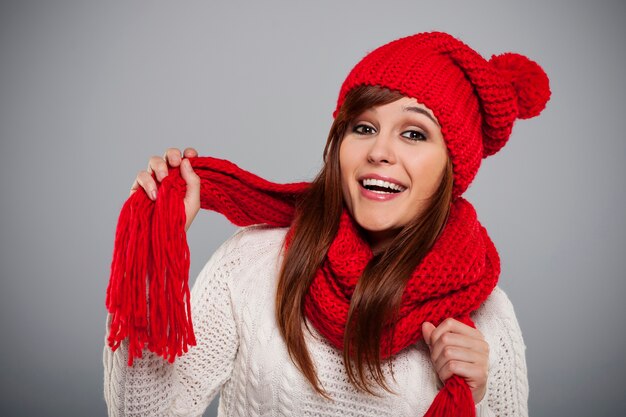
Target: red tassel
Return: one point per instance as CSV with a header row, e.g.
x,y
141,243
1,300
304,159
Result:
x,y
454,399
149,271
148,295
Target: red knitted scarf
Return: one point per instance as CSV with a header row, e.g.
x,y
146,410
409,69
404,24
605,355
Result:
x,y
148,293
453,279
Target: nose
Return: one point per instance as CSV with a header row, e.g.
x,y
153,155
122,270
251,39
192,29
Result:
x,y
381,150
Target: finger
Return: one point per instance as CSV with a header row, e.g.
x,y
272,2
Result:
x,y
134,187
157,165
427,331
454,326
457,340
473,374
173,157
192,179
146,182
459,354
190,153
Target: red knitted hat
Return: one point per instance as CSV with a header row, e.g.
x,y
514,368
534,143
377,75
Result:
x,y
475,101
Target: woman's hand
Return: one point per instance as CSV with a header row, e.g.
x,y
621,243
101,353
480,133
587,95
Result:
x,y
458,349
159,166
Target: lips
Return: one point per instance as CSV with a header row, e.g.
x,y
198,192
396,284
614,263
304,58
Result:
x,y
381,185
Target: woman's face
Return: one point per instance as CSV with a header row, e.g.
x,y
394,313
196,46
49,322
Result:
x,y
392,160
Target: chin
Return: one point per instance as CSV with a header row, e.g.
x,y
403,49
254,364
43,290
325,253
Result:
x,y
376,225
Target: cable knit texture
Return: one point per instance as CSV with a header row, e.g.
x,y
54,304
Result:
x,y
241,355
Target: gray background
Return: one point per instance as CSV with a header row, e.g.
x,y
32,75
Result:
x,y
90,90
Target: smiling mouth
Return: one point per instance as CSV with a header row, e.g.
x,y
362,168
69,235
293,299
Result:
x,y
381,187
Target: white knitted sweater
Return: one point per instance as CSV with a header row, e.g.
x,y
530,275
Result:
x,y
240,354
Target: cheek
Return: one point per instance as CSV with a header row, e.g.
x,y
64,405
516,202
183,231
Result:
x,y
429,173
346,170
345,162
343,171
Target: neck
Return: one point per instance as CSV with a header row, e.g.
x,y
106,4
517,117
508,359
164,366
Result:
x,y
380,241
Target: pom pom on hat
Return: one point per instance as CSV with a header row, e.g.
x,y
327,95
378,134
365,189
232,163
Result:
x,y
529,80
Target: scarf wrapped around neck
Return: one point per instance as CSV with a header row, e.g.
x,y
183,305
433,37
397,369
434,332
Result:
x,y
148,292
454,278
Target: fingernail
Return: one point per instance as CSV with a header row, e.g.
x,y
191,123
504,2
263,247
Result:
x,y
153,193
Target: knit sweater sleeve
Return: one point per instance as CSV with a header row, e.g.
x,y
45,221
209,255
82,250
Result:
x,y
153,386
507,384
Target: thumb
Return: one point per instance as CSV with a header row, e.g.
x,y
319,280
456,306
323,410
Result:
x,y
427,331
192,195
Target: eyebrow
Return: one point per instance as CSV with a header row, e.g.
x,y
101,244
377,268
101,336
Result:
x,y
421,111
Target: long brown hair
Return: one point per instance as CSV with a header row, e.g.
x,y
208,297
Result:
x,y
378,292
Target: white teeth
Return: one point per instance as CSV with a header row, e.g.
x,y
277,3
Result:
x,y
383,184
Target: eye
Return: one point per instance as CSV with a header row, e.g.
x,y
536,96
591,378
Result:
x,y
415,135
363,129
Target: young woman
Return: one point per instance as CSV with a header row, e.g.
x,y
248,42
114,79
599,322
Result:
x,y
379,296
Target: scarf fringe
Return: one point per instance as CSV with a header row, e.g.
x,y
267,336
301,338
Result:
x,y
454,399
148,295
